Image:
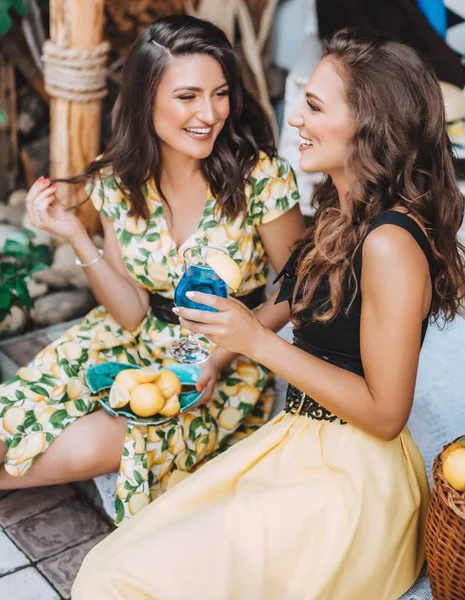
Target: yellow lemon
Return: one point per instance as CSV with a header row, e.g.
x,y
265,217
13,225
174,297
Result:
x,y
248,394
265,194
127,467
94,353
29,447
182,460
230,390
74,388
155,335
48,355
155,492
121,491
13,418
72,350
138,502
279,188
45,415
158,272
175,477
453,466
172,407
212,441
55,370
72,409
246,245
201,446
30,395
152,435
134,225
169,361
106,339
150,459
130,378
226,268
248,372
229,418
165,467
168,383
161,459
30,374
186,423
139,442
176,443
119,395
146,400
234,231
218,236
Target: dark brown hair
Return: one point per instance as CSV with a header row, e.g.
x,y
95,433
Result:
x,y
401,157
133,152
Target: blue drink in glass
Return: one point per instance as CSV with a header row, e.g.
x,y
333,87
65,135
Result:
x,y
198,277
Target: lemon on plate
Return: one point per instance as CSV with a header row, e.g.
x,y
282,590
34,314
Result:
x,y
130,378
172,407
146,400
119,395
226,268
169,383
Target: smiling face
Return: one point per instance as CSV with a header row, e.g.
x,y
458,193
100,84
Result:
x,y
325,123
191,105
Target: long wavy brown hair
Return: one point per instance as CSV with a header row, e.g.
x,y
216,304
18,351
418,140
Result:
x,y
401,157
133,153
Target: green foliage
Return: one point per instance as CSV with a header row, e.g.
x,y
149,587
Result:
x,y
5,6
19,259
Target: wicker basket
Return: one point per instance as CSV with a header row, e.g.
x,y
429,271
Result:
x,y
445,538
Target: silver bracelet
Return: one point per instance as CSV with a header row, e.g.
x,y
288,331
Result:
x,y
91,262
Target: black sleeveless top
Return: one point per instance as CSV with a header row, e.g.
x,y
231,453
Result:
x,y
338,341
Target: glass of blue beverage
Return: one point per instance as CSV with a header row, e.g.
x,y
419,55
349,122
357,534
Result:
x,y
198,277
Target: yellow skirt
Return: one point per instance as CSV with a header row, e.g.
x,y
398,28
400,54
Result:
x,y
300,510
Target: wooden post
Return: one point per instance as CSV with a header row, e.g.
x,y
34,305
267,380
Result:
x,y
75,126
8,130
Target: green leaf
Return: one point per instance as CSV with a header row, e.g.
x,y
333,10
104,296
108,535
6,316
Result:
x,y
260,186
282,204
110,184
37,427
125,238
153,237
196,423
5,297
164,445
282,169
23,294
295,195
138,477
30,420
58,417
39,390
145,280
119,510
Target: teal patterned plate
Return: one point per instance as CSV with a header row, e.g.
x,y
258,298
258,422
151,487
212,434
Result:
x,y
100,377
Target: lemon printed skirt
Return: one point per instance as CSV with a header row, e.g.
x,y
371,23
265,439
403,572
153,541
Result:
x,y
300,510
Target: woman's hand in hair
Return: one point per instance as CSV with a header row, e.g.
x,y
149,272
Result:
x,y
234,327
46,212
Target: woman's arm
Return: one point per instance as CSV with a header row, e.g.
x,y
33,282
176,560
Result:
x,y
111,283
278,237
396,292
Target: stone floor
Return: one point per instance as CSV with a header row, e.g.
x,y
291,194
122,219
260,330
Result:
x,y
44,535
44,532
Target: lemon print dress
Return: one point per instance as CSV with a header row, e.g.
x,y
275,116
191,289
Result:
x,y
50,393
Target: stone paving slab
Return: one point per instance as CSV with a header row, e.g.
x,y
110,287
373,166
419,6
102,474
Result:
x,y
22,504
56,530
62,570
27,584
11,558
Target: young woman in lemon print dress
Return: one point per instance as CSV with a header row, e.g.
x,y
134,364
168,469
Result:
x,y
327,501
191,161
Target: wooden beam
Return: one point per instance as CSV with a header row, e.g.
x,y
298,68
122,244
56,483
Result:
x,y
75,126
8,128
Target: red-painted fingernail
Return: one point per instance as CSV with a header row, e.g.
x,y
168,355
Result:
x,y
199,387
53,187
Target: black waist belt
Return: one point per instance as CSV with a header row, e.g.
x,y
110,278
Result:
x,y
298,403
162,308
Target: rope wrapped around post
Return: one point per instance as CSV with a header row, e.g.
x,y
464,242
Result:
x,y
75,75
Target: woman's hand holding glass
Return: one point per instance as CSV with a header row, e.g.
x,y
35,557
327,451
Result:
x,y
232,326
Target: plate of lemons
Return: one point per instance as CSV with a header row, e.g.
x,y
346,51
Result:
x,y
145,395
